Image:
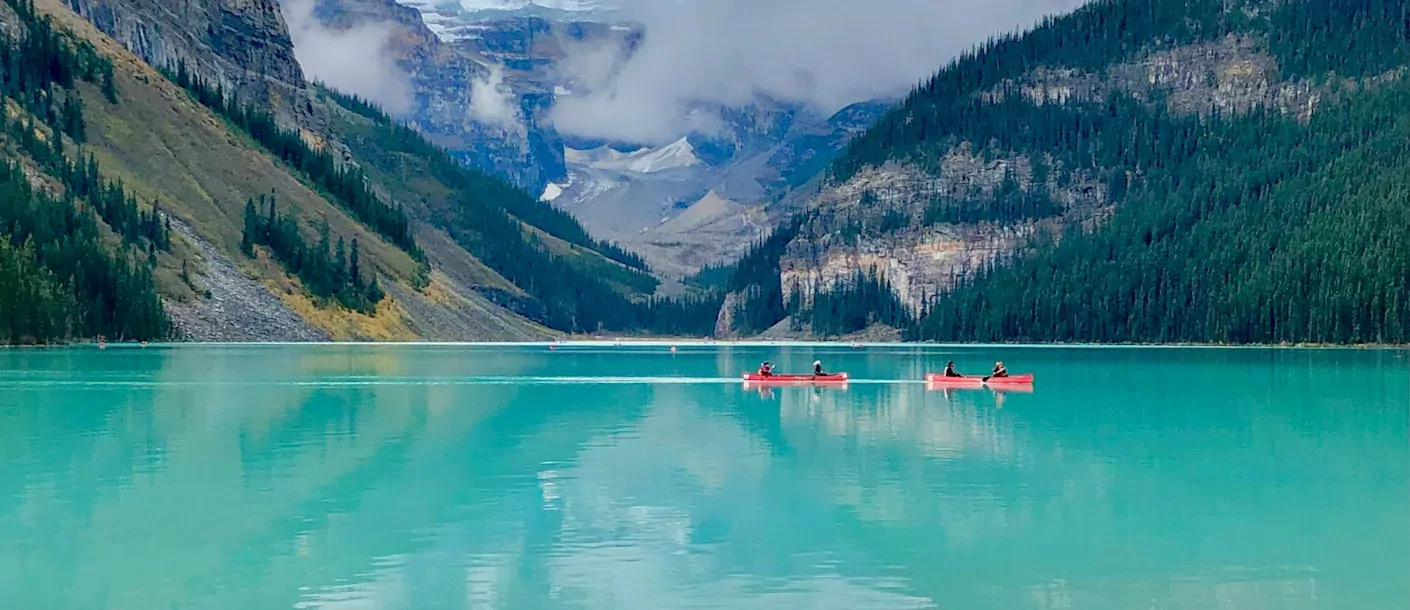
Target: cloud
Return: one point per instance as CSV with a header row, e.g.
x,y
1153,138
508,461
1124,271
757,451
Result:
x,y
493,103
358,60
825,53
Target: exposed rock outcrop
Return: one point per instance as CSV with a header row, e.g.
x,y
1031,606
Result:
x,y
242,44
1231,75
877,222
236,308
485,99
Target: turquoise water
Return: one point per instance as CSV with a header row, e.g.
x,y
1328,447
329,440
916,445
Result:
x,y
420,477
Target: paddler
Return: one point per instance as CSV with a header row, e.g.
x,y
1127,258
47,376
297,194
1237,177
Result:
x,y
950,370
766,370
817,368
999,370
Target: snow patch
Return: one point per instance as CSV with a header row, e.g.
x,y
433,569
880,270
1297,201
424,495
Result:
x,y
448,19
551,192
675,155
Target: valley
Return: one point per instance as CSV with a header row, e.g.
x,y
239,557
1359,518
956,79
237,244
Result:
x,y
1131,172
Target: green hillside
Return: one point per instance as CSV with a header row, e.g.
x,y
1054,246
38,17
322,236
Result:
x,y
560,275
133,194
76,255
1234,227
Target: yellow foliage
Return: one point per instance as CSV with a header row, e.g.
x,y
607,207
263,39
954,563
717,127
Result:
x,y
389,323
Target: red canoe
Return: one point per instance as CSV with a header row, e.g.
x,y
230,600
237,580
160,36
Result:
x,y
829,378
976,380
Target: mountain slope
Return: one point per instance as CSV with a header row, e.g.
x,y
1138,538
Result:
x,y
165,147
228,220
485,83
1047,186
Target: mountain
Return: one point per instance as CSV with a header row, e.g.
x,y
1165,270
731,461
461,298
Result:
x,y
153,202
702,199
484,98
485,79
455,20
1138,170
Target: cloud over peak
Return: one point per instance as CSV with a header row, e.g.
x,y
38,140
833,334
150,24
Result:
x,y
824,53
358,60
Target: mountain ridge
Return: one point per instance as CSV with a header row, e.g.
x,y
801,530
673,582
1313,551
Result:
x,y
987,169
225,216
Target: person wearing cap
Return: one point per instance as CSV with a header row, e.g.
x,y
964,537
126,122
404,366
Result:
x,y
817,368
766,369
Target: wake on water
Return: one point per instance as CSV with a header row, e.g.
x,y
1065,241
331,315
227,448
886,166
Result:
x,y
429,381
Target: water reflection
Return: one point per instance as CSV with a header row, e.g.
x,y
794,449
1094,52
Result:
x,y
247,477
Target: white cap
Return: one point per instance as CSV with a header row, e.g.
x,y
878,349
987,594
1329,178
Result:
x,y
817,362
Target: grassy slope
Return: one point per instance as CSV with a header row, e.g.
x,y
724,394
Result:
x,y
408,179
165,146
412,181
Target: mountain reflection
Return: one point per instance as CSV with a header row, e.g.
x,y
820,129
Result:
x,y
248,477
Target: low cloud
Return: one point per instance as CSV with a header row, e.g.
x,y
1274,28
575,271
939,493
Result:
x,y
493,103
358,60
824,53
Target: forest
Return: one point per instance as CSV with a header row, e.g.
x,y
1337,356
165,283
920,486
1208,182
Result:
x,y
450,171
345,184
512,232
1266,231
1227,229
330,273
62,276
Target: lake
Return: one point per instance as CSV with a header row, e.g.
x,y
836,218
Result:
x,y
602,477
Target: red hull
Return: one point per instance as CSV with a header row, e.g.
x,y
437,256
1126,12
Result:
x,y
976,380
832,378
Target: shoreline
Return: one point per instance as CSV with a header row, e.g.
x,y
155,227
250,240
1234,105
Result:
x,y
625,342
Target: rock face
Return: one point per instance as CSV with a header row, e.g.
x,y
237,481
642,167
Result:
x,y
730,194
876,219
243,44
877,222
486,97
1234,74
485,82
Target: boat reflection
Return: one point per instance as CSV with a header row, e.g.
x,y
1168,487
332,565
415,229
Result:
x,y
766,389
947,388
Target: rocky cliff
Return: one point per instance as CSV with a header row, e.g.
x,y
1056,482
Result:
x,y
485,97
484,84
1230,75
243,44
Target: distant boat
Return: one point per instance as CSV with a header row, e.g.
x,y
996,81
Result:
x,y
974,381
828,378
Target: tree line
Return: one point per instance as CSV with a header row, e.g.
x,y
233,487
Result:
x,y
463,178
509,231
1268,232
346,185
1231,229
60,278
329,272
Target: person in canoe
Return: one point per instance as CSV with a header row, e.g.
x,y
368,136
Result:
x,y
766,370
999,371
817,368
950,370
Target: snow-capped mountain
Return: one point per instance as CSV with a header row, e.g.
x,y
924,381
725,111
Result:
x,y
703,199
486,74
676,155
454,20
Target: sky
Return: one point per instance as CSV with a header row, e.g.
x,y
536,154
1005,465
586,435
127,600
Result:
x,y
698,53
